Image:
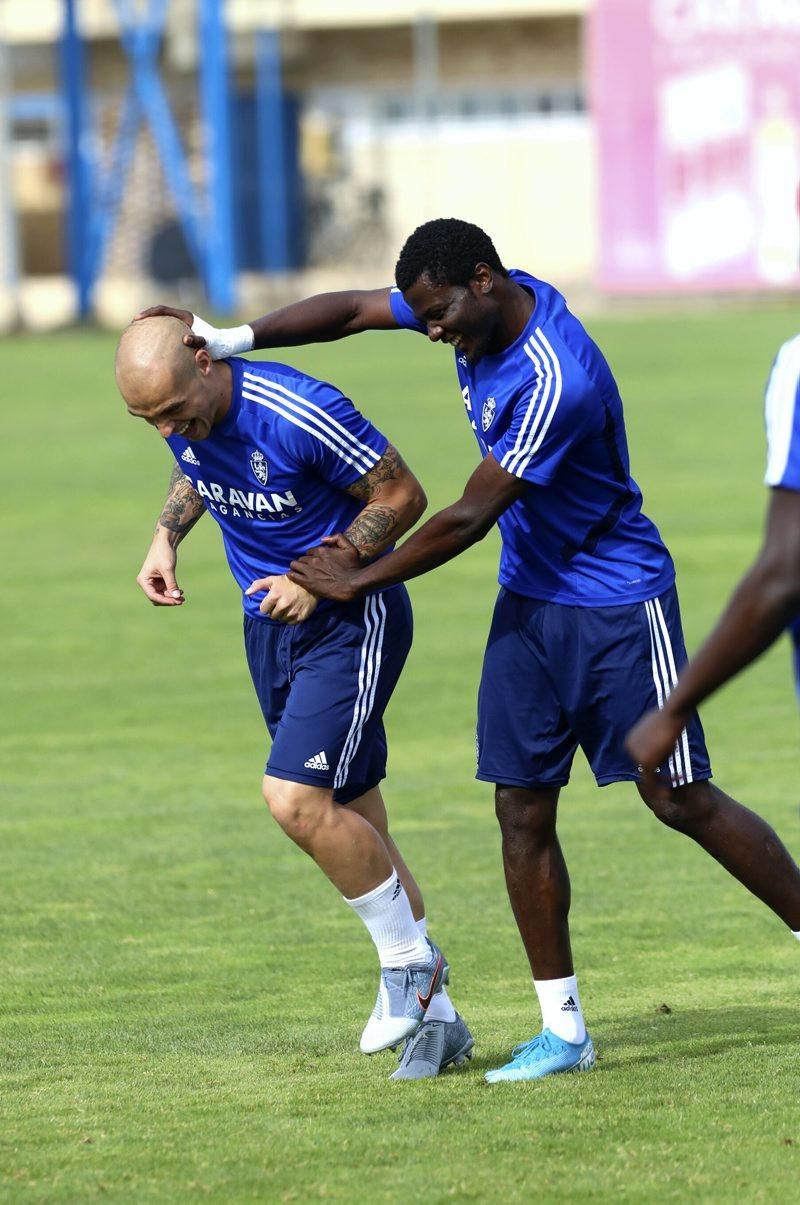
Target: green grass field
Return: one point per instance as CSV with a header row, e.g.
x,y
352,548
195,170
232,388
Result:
x,y
181,991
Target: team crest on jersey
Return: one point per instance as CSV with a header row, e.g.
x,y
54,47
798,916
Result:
x,y
487,413
258,463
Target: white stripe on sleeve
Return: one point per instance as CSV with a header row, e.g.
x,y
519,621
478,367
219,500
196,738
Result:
x,y
542,407
310,418
779,407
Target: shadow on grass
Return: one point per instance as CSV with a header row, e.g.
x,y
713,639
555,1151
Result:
x,y
693,1033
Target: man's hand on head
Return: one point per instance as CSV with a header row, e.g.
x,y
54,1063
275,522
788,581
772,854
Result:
x,y
185,316
329,571
220,342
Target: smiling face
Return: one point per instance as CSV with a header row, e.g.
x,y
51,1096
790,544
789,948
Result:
x,y
464,316
176,390
178,408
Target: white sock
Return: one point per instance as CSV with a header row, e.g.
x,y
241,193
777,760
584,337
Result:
x,y
386,912
797,935
441,1006
561,1007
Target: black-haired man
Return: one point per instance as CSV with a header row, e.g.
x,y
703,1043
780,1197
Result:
x,y
586,634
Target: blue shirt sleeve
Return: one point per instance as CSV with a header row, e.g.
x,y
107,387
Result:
x,y
403,313
551,415
782,415
323,430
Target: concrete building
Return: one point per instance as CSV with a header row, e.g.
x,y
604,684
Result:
x,y
397,112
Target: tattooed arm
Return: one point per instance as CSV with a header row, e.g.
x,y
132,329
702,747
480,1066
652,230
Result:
x,y
393,501
182,508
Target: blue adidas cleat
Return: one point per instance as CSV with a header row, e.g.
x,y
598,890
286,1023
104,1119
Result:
x,y
545,1054
435,1045
404,996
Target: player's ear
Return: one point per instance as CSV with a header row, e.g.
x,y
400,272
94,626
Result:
x,y
483,278
203,361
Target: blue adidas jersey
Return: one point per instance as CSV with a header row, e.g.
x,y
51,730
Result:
x,y
274,472
548,409
782,413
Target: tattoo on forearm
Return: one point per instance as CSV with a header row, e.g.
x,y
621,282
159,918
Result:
x,y
183,506
371,529
389,467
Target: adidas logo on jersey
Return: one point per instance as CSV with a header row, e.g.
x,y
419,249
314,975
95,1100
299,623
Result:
x,y
318,762
189,457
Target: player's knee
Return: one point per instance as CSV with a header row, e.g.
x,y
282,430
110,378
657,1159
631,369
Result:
x,y
523,814
667,810
685,808
296,809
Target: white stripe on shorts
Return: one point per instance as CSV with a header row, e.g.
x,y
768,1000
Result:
x,y
665,677
371,652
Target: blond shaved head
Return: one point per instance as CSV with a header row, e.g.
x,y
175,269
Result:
x,y
153,363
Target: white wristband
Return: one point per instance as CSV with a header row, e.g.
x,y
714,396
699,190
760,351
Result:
x,y
228,341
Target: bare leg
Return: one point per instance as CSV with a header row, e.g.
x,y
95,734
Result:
x,y
536,877
373,809
345,846
739,840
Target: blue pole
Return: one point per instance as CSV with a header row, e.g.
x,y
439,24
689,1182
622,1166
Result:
x,y
73,77
272,165
215,108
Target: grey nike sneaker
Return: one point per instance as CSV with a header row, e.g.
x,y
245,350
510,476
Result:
x,y
404,996
434,1046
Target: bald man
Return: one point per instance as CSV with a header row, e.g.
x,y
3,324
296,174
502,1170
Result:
x,y
281,460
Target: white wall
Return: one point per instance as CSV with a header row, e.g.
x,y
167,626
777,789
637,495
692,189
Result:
x,y
529,182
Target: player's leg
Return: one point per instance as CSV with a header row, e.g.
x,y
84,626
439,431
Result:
x,y
443,1039
736,837
526,748
362,768
539,890
323,686
344,845
536,876
739,840
425,1053
352,854
373,809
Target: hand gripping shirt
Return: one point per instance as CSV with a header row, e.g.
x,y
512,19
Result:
x,y
274,471
782,413
549,410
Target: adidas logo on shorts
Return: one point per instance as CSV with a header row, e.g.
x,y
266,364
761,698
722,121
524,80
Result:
x,y
318,762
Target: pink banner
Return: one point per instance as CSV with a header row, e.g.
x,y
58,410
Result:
x,y
697,112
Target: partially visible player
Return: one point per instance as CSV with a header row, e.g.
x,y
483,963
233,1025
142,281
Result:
x,y
279,459
767,599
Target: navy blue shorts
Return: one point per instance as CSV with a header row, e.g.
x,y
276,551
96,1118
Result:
x,y
323,686
556,677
